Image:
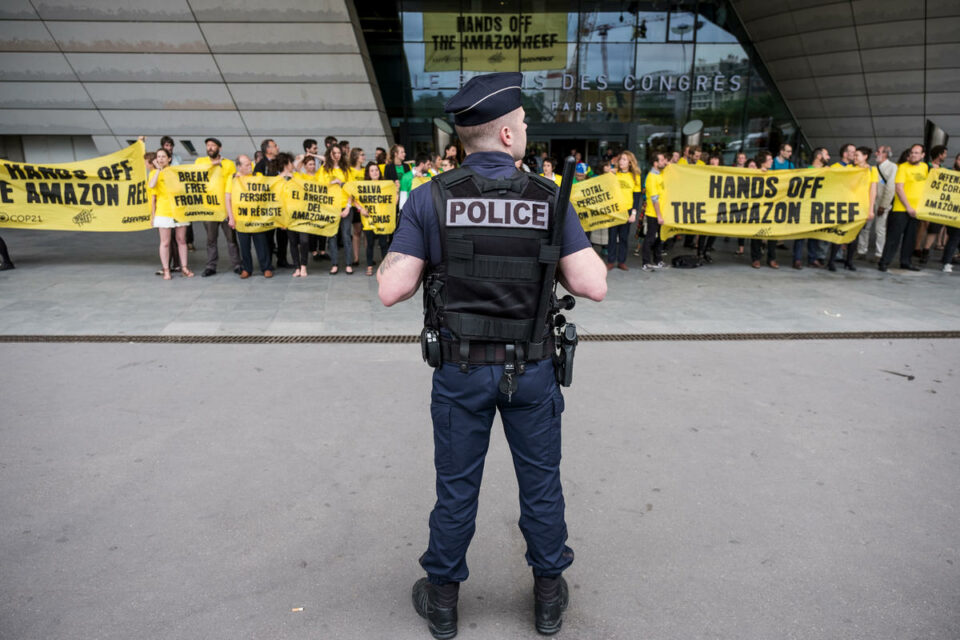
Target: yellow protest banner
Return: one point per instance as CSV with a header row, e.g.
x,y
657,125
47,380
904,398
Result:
x,y
108,193
256,203
600,203
195,192
379,198
940,201
492,41
824,204
312,207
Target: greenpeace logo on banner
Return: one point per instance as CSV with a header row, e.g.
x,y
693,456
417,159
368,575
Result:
x,y
600,202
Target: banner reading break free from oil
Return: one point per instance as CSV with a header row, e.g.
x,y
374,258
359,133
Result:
x,y
600,203
108,193
379,198
940,201
824,204
310,206
195,192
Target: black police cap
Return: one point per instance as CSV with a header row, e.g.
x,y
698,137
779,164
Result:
x,y
485,98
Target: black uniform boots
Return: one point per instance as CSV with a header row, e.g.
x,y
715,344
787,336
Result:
x,y
438,605
550,601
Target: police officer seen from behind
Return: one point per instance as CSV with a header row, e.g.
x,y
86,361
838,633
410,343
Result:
x,y
479,238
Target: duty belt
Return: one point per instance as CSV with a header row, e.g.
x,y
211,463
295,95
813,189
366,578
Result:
x,y
493,352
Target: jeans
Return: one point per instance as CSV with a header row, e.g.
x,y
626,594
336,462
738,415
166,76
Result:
x,y
344,233
813,250
264,257
617,242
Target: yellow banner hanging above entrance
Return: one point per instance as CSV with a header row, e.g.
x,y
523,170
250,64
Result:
x,y
940,201
824,204
495,41
108,193
379,198
600,203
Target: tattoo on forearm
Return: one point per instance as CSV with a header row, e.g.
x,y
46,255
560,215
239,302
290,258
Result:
x,y
391,259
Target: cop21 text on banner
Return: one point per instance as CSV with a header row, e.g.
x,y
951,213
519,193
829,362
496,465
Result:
x,y
379,198
824,204
195,192
256,202
494,41
600,203
940,201
312,207
108,193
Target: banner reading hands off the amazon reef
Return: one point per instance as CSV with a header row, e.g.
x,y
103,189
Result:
x,y
940,201
824,204
600,203
108,193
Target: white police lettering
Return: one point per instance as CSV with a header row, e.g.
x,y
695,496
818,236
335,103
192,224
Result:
x,y
478,212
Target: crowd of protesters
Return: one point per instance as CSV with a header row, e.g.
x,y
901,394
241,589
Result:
x,y
892,236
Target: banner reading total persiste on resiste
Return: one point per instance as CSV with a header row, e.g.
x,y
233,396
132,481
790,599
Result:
x,y
825,204
940,201
108,193
600,203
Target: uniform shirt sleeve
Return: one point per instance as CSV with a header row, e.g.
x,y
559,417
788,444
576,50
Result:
x,y
574,237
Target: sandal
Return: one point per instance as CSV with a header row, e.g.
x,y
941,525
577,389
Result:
x,y
334,270
187,273
166,274
369,271
349,270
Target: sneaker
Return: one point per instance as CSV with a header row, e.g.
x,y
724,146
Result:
x,y
551,597
947,268
649,267
438,606
660,265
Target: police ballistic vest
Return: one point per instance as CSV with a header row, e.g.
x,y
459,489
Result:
x,y
495,237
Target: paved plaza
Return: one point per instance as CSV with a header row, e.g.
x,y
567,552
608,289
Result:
x,y
715,489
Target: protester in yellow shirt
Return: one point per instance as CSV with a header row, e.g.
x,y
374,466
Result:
x,y
652,252
860,157
691,156
213,229
549,166
902,220
358,161
334,171
628,177
161,217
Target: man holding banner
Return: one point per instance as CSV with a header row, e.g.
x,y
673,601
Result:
x,y
213,227
902,224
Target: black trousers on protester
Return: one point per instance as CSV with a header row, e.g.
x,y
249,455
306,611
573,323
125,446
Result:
x,y
383,241
902,234
652,246
277,241
4,255
299,248
851,251
756,250
259,240
953,242
705,244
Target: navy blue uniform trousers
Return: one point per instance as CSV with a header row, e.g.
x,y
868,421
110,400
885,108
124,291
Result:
x,y
463,407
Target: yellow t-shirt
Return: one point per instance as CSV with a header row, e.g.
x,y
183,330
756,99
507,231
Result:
x,y
874,175
556,178
630,184
226,165
683,160
164,206
326,177
654,187
356,174
839,165
913,177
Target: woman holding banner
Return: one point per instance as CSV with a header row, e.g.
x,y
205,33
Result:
x,y
373,173
161,218
628,176
357,160
335,171
299,242
860,158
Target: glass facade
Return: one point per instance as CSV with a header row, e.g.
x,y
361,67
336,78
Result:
x,y
605,76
